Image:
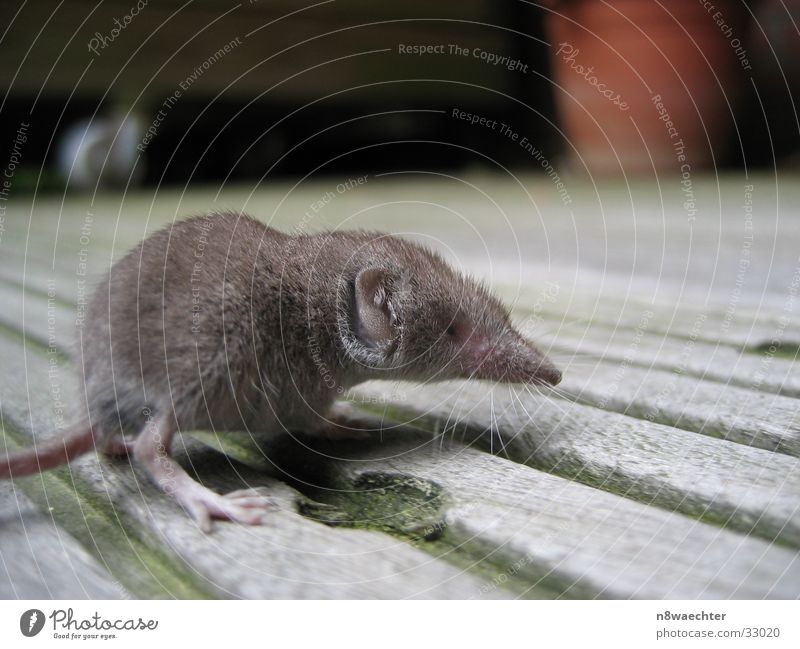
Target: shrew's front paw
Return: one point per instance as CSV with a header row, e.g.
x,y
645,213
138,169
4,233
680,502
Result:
x,y
246,506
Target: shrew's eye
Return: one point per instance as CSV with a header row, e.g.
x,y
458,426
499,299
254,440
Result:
x,y
451,330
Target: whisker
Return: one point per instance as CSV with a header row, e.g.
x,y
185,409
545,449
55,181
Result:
x,y
575,355
550,326
555,403
566,364
447,425
491,423
560,393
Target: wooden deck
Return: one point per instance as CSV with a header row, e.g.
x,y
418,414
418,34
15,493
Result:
x,y
667,467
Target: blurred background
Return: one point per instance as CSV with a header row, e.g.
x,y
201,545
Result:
x,y
126,92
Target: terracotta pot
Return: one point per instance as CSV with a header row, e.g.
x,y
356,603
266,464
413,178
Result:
x,y
613,60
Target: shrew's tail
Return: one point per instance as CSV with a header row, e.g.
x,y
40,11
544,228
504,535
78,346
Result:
x,y
47,456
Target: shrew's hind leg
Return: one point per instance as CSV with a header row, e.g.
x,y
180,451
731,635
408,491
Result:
x,y
152,452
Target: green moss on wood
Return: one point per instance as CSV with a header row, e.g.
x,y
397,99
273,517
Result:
x,y
785,350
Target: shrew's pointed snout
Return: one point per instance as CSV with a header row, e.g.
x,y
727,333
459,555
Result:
x,y
547,373
510,359
526,364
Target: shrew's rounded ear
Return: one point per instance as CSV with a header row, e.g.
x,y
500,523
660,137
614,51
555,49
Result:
x,y
374,319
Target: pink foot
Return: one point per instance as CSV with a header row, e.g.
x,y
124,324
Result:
x,y
246,506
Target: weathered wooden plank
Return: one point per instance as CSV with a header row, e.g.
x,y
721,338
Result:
x,y
290,557
39,560
728,412
28,314
766,371
740,322
742,488
572,538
